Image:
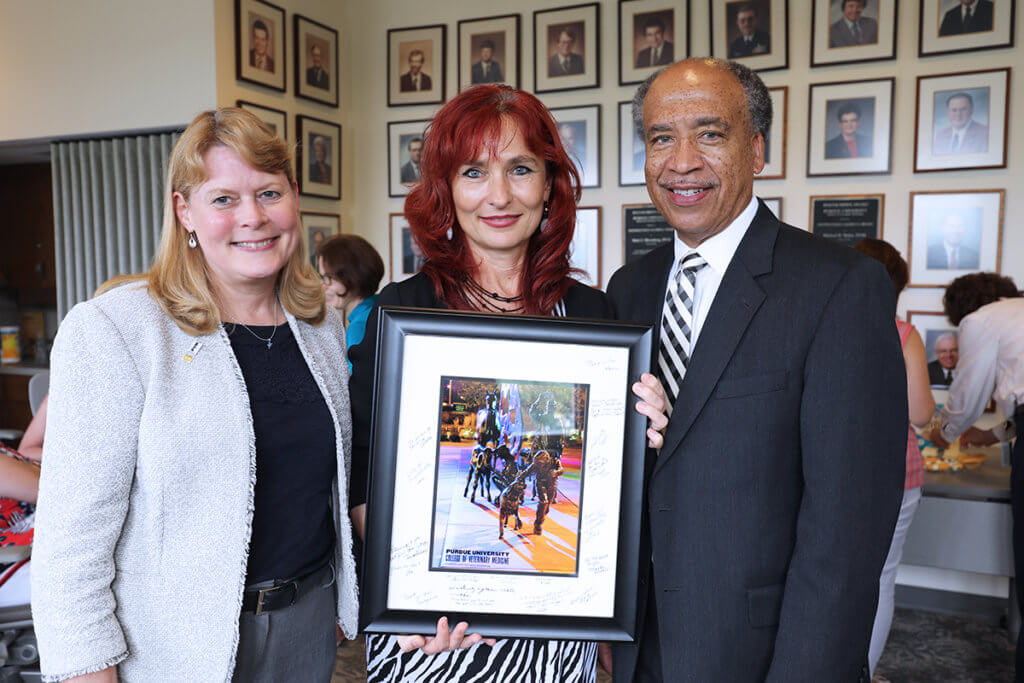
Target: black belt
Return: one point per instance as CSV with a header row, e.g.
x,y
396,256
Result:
x,y
284,594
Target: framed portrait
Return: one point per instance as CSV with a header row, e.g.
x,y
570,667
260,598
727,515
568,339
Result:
x,y
953,234
259,43
850,128
847,218
754,32
652,34
775,141
774,204
406,257
962,120
316,61
319,227
566,48
416,65
845,31
489,51
275,119
632,152
580,131
523,405
319,157
643,229
405,143
941,346
585,250
948,26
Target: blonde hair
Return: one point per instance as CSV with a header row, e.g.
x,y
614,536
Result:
x,y
179,279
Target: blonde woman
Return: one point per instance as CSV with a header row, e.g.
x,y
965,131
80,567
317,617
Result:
x,y
193,513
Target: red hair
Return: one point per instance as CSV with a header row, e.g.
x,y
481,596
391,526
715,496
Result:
x,y
466,125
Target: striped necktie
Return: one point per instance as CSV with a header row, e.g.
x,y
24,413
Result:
x,y
676,326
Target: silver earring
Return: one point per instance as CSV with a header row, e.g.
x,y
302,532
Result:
x,y
449,234
547,209
192,240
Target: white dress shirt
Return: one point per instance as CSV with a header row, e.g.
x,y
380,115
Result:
x,y
991,365
718,251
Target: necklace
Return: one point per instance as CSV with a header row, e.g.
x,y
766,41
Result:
x,y
269,340
477,287
486,301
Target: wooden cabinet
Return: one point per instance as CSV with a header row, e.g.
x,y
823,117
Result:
x,y
27,259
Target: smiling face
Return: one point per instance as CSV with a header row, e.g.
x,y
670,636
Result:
x,y
259,41
334,289
415,62
565,43
701,152
499,200
245,220
959,111
852,10
848,124
947,350
655,36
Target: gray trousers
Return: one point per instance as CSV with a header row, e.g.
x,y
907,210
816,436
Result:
x,y
296,643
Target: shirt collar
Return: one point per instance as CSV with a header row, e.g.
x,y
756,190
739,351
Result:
x,y
718,249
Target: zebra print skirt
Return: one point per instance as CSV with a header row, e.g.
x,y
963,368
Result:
x,y
522,661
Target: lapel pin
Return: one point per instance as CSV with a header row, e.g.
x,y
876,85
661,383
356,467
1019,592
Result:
x,y
192,352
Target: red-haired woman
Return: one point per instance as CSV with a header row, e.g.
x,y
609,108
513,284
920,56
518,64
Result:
x,y
493,213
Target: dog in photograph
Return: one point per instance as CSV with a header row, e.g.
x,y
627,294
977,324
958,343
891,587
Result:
x,y
481,467
508,503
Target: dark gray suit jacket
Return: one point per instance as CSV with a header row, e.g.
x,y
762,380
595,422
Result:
x,y
770,509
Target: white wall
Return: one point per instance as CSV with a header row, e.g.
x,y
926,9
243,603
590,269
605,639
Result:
x,y
72,68
367,31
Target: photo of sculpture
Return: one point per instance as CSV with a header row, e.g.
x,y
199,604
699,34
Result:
x,y
954,239
966,16
652,38
318,56
747,28
320,158
489,52
960,121
857,23
942,348
849,128
261,41
509,476
415,78
566,46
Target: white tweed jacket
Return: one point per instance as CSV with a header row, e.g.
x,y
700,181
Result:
x,y
146,494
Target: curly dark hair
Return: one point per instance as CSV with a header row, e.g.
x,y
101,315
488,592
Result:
x,y
968,293
882,251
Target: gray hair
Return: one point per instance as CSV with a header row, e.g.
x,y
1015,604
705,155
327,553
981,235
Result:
x,y
946,335
759,102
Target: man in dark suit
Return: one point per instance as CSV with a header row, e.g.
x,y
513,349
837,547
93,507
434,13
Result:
x,y
316,75
487,70
660,51
947,355
971,16
258,56
565,62
414,79
752,40
410,171
770,508
952,253
850,143
852,28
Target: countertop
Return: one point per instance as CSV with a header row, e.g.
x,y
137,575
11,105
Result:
x,y
990,482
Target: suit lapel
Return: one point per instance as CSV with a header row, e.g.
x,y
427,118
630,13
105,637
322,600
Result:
x,y
737,300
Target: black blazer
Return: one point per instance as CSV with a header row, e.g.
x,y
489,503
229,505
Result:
x,y
418,291
770,509
953,23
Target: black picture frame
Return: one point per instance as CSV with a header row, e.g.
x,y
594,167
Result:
x,y
308,128
634,64
632,151
848,218
274,118
402,44
643,229
586,16
1002,18
767,54
273,74
469,33
583,120
872,104
307,85
402,334
401,175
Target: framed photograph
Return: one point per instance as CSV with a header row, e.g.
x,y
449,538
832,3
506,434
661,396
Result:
x,y
316,61
489,51
775,141
522,405
754,32
259,43
319,227
416,65
649,33
406,257
566,48
585,250
775,205
950,26
845,31
319,157
580,130
953,234
962,120
632,152
847,218
405,144
850,128
643,229
275,119
941,346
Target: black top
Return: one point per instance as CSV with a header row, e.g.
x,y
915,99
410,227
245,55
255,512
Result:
x,y
296,456
418,291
